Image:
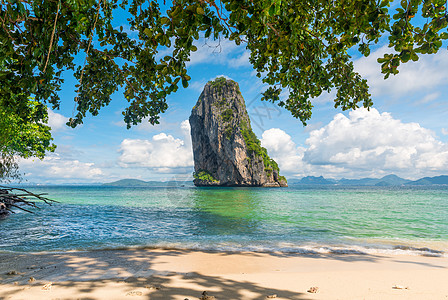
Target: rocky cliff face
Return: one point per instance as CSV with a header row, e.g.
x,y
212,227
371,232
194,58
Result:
x,y
226,151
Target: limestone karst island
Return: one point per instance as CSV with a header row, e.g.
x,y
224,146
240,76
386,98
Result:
x,y
226,150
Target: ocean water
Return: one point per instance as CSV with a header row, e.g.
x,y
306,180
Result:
x,y
323,219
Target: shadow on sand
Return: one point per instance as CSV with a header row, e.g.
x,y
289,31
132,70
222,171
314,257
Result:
x,y
145,273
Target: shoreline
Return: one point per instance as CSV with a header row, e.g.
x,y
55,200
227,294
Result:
x,y
154,273
420,248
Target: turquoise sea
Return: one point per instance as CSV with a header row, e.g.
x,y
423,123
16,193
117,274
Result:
x,y
322,219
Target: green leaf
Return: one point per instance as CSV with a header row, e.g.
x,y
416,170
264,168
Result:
x,y
200,10
405,56
184,83
164,20
148,32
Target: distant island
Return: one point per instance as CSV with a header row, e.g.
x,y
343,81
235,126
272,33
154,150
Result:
x,y
141,183
438,180
389,180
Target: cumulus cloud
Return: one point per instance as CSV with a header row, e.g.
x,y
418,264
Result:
x,y
283,150
366,143
54,167
56,121
425,74
370,140
163,152
421,77
186,130
240,61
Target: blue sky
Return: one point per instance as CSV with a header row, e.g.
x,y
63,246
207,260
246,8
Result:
x,y
406,133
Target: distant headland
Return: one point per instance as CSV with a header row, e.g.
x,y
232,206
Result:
x,y
389,180
142,183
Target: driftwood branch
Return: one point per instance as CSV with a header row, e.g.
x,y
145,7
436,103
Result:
x,y
10,198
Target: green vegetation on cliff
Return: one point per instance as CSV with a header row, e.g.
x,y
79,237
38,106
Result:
x,y
253,145
226,112
219,82
204,176
227,115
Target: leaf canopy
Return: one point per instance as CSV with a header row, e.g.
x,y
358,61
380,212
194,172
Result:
x,y
300,48
22,138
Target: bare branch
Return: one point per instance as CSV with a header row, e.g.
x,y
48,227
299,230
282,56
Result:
x,y
9,198
22,208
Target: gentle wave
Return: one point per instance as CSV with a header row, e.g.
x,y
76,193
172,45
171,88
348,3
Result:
x,y
310,249
276,250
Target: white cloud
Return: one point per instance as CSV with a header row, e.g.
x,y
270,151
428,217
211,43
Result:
x,y
366,143
185,127
56,121
284,151
425,74
445,131
163,152
429,98
240,61
365,137
54,167
421,77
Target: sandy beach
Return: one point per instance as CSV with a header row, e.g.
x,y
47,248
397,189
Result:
x,y
181,274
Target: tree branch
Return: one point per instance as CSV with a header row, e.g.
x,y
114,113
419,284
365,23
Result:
x,y
52,37
88,47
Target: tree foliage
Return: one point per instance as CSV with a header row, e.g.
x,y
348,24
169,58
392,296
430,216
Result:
x,y
21,138
297,47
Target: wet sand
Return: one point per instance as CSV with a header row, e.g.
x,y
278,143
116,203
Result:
x,y
181,274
